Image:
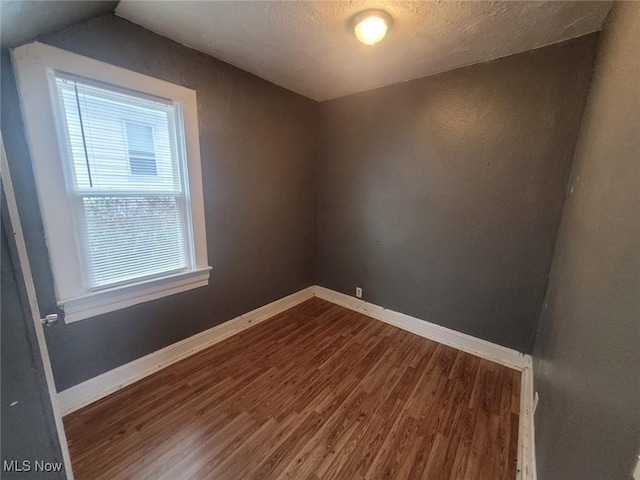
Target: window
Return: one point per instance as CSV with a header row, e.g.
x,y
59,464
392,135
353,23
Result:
x,y
142,153
121,195
118,217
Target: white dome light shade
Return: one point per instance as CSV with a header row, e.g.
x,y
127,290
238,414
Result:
x,y
371,26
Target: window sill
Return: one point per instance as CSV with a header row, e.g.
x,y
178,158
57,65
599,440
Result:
x,y
97,303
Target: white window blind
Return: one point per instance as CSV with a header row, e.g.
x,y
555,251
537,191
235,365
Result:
x,y
125,173
116,162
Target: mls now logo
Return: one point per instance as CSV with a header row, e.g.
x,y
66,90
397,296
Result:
x,y
29,466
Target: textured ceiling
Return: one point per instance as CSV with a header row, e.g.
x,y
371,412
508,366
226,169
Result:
x,y
307,47
22,21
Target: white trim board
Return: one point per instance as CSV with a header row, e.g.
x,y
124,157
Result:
x,y
26,276
109,382
481,348
96,388
526,466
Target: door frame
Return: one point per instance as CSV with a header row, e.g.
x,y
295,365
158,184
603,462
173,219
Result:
x,y
26,276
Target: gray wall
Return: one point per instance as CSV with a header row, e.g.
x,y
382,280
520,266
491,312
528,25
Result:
x,y
587,354
258,145
28,428
441,197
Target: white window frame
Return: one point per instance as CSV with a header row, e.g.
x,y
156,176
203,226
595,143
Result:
x,y
34,64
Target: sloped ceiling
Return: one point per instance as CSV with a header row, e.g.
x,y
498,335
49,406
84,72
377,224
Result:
x,y
22,21
307,47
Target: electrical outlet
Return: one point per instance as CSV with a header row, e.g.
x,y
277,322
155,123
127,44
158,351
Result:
x,y
358,292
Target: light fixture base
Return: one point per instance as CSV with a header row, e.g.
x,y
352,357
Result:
x,y
361,17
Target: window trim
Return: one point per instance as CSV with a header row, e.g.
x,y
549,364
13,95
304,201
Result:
x,y
34,64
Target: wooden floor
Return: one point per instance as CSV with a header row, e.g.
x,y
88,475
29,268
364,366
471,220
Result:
x,y
317,392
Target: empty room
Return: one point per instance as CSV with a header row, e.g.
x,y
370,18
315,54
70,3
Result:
x,y
320,240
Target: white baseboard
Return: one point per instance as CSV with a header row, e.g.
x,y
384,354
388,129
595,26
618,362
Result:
x,y
109,382
526,431
96,388
461,341
526,467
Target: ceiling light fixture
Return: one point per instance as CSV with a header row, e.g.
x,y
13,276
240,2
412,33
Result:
x,y
370,26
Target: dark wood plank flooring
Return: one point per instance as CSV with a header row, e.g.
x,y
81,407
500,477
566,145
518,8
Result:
x,y
317,392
